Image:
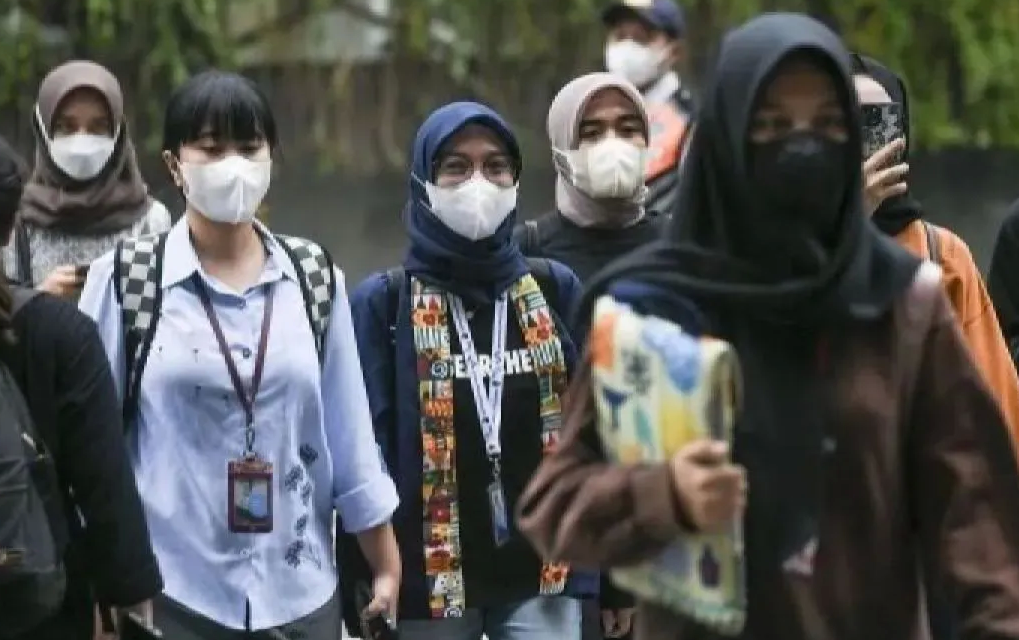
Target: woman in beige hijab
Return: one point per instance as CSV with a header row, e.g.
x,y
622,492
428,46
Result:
x,y
85,192
598,129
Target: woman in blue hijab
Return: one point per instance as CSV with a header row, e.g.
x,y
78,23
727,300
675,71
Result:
x,y
465,359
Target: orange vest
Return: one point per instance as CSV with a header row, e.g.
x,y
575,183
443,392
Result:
x,y
668,131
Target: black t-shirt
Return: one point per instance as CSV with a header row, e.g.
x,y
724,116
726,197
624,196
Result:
x,y
495,575
586,250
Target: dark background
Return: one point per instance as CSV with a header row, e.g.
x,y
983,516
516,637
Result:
x,y
358,218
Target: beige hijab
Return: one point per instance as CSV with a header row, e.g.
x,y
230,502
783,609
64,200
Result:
x,y
564,119
112,201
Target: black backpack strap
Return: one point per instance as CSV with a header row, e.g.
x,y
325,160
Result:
x,y
138,277
317,278
528,237
394,278
533,235
23,254
933,244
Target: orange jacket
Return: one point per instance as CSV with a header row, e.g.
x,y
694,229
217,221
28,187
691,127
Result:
x,y
965,289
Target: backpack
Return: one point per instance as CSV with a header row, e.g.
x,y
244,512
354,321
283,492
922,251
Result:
x,y
138,274
32,577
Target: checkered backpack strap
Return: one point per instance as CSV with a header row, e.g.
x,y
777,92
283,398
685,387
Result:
x,y
317,278
137,272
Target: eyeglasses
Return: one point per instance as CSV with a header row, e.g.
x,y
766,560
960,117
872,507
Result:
x,y
456,169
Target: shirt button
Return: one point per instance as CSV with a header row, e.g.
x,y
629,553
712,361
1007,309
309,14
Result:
x,y
245,353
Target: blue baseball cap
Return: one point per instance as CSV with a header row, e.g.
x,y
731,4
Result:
x,y
663,15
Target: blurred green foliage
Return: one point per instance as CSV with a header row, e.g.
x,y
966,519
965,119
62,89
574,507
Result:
x,y
960,57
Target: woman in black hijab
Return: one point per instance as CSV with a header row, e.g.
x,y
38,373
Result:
x,y
900,217
847,347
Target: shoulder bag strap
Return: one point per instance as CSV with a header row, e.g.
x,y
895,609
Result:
x,y
933,244
317,279
138,275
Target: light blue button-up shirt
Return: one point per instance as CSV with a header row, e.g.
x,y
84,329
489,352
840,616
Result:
x,y
312,423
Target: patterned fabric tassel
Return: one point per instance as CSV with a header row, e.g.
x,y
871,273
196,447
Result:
x,y
541,338
430,323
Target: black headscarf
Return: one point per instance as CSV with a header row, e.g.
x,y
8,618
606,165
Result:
x,y
862,272
777,321
895,213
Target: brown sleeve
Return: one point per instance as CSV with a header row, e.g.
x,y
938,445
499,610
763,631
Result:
x,y
965,485
581,509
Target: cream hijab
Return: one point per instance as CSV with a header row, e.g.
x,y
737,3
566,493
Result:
x,y
564,119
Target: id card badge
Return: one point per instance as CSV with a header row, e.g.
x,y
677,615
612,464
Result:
x,y
500,517
250,495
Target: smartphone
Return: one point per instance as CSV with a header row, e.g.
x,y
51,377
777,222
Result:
x,y
134,628
379,627
882,123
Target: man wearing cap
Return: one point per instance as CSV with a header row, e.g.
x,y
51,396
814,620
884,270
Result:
x,y
645,43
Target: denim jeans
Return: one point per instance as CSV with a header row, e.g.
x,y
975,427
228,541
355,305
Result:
x,y
540,618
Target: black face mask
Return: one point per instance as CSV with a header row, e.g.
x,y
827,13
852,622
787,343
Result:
x,y
800,183
801,177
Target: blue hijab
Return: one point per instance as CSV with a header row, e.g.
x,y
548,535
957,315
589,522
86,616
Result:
x,y
476,271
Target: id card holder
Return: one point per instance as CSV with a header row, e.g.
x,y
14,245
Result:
x,y
250,495
500,516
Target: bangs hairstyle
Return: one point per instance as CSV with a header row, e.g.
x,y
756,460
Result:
x,y
225,106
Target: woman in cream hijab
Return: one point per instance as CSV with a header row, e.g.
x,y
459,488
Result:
x,y
598,129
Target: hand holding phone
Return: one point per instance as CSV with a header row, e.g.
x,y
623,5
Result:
x,y
884,147
376,626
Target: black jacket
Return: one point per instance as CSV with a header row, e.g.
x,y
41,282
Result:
x,y
61,366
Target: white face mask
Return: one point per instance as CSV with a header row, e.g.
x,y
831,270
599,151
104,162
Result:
x,y
81,156
638,63
609,168
228,190
474,209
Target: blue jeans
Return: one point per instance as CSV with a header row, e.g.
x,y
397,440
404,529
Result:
x,y
540,618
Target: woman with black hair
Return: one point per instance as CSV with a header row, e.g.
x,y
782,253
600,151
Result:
x,y
868,448
56,359
86,191
246,411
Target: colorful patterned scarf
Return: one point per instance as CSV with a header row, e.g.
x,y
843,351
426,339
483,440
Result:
x,y
430,322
